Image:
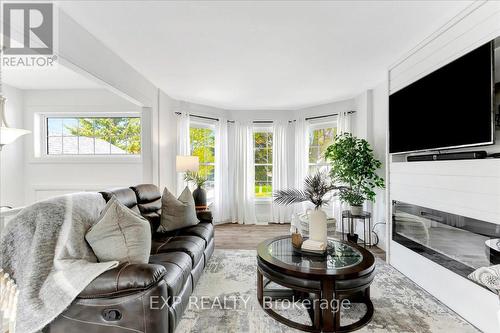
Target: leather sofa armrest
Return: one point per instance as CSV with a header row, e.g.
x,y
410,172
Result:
x,y
205,216
124,279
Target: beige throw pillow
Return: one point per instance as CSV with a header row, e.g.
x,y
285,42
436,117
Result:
x,y
120,234
178,213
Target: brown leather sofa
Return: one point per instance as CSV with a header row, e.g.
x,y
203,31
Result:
x,y
149,298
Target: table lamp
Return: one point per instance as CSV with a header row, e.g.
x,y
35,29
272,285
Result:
x,y
187,163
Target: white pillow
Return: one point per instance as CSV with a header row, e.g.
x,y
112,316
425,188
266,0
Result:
x,y
120,234
488,277
178,213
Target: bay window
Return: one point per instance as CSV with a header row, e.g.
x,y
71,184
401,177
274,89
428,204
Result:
x,y
263,162
202,140
321,135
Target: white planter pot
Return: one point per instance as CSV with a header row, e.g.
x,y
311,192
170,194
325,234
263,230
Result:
x,y
302,223
318,229
356,210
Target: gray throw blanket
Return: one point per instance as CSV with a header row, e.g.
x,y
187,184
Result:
x,y
44,249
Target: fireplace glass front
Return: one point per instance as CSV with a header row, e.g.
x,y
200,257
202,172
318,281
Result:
x,y
456,242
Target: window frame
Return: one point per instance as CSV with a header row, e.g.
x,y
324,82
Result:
x,y
260,129
41,154
316,124
209,124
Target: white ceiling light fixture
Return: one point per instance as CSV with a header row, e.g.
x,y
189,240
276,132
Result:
x,y
8,134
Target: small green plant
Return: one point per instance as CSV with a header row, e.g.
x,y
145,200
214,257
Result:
x,y
196,177
316,187
354,166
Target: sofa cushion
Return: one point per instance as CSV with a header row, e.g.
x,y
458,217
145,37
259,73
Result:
x,y
148,198
177,213
124,279
146,192
125,195
203,230
178,267
120,234
192,245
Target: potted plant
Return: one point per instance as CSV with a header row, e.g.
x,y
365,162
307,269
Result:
x,y
199,194
316,187
354,166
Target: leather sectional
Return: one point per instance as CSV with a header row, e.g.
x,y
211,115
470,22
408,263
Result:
x,y
148,298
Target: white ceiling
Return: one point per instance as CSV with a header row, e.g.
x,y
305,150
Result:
x,y
262,54
57,77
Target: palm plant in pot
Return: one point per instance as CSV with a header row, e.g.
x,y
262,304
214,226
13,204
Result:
x,y
316,188
199,194
354,166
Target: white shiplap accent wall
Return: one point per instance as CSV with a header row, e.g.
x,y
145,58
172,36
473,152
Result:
x,y
470,188
475,26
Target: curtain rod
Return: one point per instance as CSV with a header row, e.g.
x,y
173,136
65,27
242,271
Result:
x,y
229,121
265,121
328,115
197,116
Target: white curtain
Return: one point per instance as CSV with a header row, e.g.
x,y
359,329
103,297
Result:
x,y
343,126
183,145
301,158
223,190
281,170
242,173
344,122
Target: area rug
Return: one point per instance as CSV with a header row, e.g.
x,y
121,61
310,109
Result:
x,y
225,301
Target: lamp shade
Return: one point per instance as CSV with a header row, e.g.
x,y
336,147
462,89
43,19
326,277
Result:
x,y
187,163
9,135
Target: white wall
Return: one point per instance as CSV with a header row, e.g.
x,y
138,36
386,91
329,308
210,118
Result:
x,y
167,129
361,124
47,177
12,156
325,109
380,111
469,188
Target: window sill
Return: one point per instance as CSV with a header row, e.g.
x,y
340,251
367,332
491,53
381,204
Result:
x,y
87,160
263,201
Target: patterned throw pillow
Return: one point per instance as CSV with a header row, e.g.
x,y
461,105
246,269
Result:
x,y
177,213
120,234
488,277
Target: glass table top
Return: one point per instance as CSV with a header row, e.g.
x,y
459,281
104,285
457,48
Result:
x,y
339,255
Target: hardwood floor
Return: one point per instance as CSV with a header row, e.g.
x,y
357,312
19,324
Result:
x,y
247,237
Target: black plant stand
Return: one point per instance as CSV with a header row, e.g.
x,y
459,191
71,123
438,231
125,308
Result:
x,y
351,236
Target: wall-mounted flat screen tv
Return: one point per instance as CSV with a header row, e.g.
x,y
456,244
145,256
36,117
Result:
x,y
451,107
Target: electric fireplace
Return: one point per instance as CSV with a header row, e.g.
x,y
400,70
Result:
x,y
459,243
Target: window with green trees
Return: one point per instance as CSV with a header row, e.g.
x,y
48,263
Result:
x,y
202,139
263,161
320,137
93,135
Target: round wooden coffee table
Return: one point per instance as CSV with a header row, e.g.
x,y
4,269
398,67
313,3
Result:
x,y
321,283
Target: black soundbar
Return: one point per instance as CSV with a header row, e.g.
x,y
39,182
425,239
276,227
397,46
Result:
x,y
466,155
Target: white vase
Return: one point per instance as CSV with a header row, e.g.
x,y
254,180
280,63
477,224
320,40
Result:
x,y
356,210
317,225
